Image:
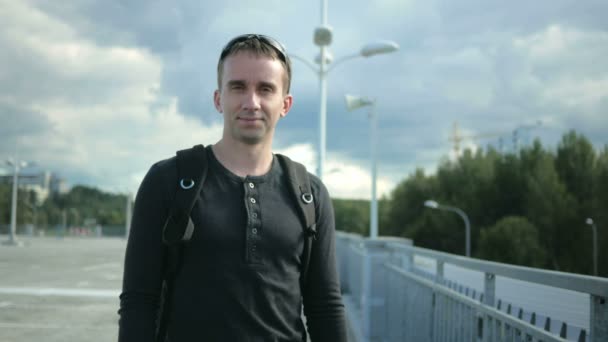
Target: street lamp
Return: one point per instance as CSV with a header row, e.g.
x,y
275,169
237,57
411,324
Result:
x,y
356,102
17,165
590,222
322,38
434,205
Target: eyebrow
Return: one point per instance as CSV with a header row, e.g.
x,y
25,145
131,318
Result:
x,y
232,83
268,84
235,82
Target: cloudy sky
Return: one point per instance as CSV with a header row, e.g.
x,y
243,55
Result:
x,y
97,91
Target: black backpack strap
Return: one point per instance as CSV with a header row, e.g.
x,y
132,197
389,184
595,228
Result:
x,y
192,169
299,182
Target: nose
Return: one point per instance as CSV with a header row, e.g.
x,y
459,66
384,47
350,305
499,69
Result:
x,y
251,101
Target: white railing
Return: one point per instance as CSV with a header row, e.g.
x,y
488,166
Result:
x,y
388,298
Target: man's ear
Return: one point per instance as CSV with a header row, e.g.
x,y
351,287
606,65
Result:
x,y
216,101
287,103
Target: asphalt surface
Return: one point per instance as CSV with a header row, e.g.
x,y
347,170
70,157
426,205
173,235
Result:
x,y
60,289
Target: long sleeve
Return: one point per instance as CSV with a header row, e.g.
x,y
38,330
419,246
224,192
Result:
x,y
323,304
142,279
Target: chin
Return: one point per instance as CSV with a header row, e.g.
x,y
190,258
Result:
x,y
251,137
250,140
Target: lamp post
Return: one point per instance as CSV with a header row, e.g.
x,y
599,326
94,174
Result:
x,y
353,103
590,222
434,205
17,165
323,38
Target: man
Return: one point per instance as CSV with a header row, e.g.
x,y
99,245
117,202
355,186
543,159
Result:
x,y
239,274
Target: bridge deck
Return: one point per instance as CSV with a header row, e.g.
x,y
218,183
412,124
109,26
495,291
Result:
x,y
60,290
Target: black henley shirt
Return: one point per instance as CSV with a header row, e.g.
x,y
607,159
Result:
x,y
239,279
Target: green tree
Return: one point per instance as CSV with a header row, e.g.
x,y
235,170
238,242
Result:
x,y
83,202
352,215
468,184
512,240
5,195
509,187
406,204
441,231
574,163
551,208
24,206
554,190
599,213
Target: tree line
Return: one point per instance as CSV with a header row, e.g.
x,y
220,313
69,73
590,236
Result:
x,y
526,208
72,209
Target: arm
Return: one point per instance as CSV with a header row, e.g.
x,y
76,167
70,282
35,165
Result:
x,y
142,279
323,305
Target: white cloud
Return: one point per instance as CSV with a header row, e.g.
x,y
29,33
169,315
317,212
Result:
x,y
109,141
344,177
583,84
103,91
114,155
302,153
582,93
550,43
466,76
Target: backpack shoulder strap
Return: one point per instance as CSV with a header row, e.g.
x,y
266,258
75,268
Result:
x,y
192,169
299,183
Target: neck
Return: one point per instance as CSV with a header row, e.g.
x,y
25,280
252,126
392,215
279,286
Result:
x,y
242,159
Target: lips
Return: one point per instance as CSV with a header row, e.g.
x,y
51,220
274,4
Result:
x,y
248,119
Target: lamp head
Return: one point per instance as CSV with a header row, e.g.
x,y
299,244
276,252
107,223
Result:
x,y
322,35
328,58
431,204
356,102
384,46
589,221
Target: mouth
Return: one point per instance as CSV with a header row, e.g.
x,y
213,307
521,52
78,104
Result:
x,y
248,119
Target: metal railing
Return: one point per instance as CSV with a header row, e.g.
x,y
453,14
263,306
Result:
x,y
392,300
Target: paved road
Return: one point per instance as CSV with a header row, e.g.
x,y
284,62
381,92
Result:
x,y
56,290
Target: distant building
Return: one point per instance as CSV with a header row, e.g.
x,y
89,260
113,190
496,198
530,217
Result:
x,y
42,184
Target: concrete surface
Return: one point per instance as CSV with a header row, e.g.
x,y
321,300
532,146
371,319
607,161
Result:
x,y
56,290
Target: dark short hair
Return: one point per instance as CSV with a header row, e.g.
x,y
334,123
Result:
x,y
259,45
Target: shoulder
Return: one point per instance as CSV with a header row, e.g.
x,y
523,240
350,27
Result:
x,y
160,179
164,173
318,187
165,169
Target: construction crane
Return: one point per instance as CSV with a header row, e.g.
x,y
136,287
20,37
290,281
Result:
x,y
526,130
457,138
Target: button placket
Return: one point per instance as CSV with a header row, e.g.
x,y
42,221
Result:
x,y
252,230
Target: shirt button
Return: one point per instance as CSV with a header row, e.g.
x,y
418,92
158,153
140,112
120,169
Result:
x,y
255,215
252,200
254,231
251,185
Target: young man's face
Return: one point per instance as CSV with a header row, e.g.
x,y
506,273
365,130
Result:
x,y
252,97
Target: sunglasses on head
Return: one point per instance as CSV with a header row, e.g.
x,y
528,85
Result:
x,y
275,44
